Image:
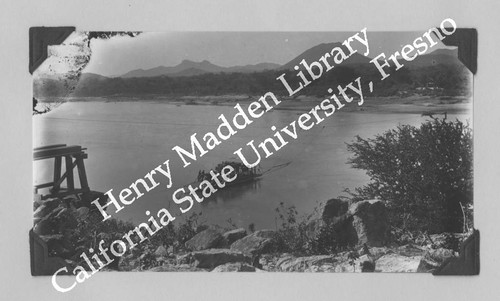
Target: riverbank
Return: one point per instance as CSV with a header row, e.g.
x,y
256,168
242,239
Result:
x,y
416,104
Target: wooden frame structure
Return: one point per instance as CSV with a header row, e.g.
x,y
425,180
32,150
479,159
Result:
x,y
73,156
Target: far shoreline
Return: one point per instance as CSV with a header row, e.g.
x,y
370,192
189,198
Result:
x,y
416,104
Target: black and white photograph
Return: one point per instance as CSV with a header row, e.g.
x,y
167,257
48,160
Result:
x,y
164,152
322,157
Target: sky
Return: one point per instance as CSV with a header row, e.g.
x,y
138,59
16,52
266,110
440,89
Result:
x,y
120,55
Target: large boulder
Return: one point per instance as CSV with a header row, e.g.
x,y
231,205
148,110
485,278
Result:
x,y
432,259
364,222
370,222
331,211
206,239
209,259
256,243
234,235
333,208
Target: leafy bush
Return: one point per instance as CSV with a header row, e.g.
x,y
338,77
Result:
x,y
91,230
291,235
423,173
177,235
325,242
296,234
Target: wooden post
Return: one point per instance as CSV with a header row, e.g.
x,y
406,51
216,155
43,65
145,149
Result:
x,y
69,171
57,173
81,173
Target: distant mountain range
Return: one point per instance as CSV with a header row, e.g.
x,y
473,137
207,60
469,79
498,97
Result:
x,y
190,68
91,84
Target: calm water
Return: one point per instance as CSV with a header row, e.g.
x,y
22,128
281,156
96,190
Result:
x,y
126,140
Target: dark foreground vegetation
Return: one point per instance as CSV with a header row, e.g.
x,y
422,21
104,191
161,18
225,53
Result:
x,y
423,173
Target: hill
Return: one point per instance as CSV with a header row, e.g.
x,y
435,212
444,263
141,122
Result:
x,y
189,68
314,53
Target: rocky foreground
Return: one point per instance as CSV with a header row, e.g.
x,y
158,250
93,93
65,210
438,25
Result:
x,y
364,225
248,255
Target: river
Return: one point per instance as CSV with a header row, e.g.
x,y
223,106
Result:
x,y
125,140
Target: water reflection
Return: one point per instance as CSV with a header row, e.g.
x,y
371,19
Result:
x,y
234,193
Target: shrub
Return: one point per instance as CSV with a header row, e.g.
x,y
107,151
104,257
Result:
x,y
177,235
325,242
423,173
295,234
291,234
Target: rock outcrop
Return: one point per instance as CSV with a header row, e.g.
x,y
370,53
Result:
x,y
333,218
363,225
333,208
256,243
234,235
371,222
206,239
364,222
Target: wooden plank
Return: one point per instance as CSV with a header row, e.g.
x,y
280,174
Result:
x,y
45,185
58,151
48,146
